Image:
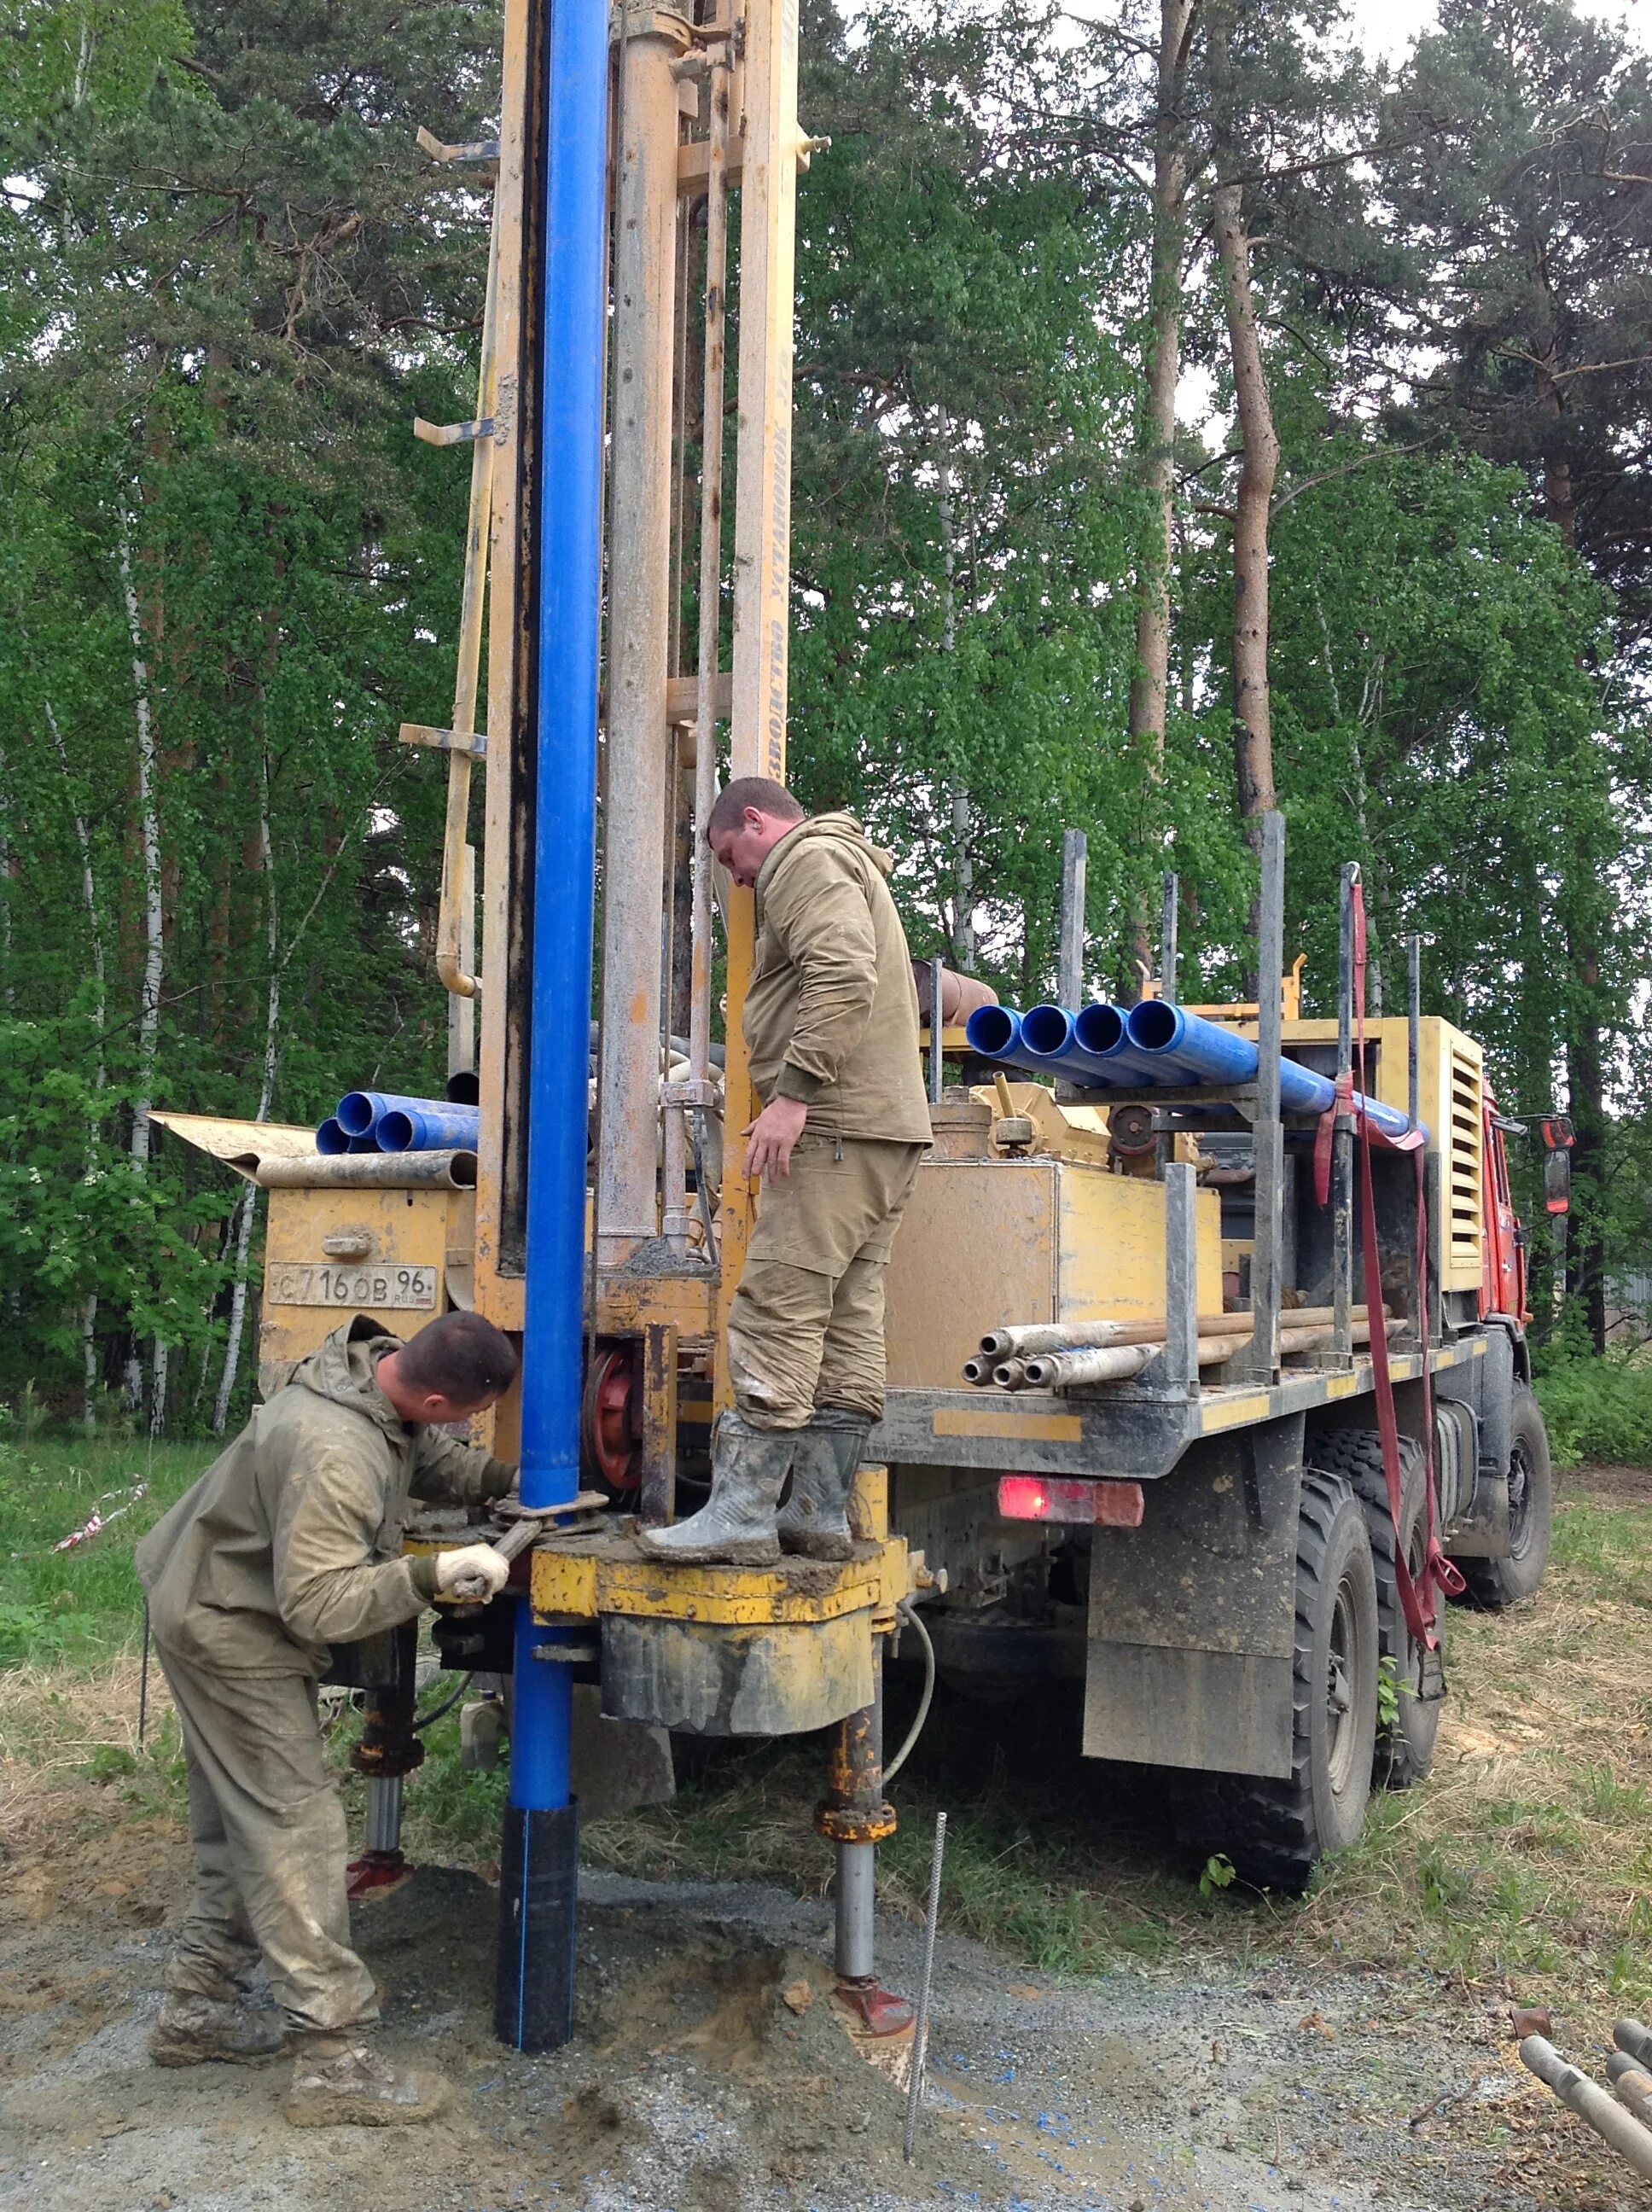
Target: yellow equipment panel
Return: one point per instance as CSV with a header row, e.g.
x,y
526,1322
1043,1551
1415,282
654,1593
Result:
x,y
401,1256
1450,1093
989,1243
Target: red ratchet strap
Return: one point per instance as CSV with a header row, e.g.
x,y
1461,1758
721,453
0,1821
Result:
x,y
1417,1598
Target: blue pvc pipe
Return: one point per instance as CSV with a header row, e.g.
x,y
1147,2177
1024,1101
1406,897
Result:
x,y
329,1139
433,1125
1204,1052
364,1113
1100,1031
994,1033
570,344
1047,1036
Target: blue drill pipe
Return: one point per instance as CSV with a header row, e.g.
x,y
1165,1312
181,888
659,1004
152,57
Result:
x,y
1203,1052
329,1139
432,1126
534,1997
1102,1032
362,1113
994,1033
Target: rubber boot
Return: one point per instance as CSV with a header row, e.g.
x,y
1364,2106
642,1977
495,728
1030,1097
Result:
x,y
197,2031
338,2082
736,1526
815,1519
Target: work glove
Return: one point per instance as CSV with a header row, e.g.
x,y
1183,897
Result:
x,y
473,1572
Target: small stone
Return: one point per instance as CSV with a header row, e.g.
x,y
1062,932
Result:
x,y
797,1996
1530,2020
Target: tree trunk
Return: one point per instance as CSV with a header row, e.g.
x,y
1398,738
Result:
x,y
1586,1279
243,1230
1162,369
148,1022
100,1015
1252,732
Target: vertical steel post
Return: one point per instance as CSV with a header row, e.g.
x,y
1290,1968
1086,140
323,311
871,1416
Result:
x,y
1413,1027
1269,1136
1169,913
657,1489
1070,984
854,1819
937,1022
534,2003
653,41
766,84
1342,1195
1181,1277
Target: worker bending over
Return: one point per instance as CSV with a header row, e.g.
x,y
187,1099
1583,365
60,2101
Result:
x,y
291,1542
831,1026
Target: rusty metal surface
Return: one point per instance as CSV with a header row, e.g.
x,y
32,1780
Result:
x,y
242,1145
657,1495
652,40
716,1680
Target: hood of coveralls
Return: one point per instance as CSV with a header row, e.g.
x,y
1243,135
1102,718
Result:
x,y
840,826
341,1368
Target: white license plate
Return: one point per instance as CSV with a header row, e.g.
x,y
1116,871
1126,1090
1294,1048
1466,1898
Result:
x,y
369,1289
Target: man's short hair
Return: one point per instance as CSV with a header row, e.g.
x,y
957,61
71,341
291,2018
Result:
x,y
460,1356
759,792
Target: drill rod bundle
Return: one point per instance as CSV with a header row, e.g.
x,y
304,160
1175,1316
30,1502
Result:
x,y
1064,1356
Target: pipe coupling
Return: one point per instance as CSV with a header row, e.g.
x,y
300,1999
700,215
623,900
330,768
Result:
x,y
855,1824
383,1762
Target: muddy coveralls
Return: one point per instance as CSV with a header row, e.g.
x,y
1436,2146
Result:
x,y
831,1019
289,1543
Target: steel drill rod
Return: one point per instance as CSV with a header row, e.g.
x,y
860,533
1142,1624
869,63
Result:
x,y
921,2033
1017,1339
1629,2035
1590,2102
1068,1367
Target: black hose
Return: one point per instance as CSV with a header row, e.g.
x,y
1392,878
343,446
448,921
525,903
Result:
x,y
424,1720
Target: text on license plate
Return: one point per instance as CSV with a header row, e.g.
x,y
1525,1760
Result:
x,y
366,1288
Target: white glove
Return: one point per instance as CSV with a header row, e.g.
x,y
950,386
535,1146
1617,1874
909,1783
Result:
x,y
475,1570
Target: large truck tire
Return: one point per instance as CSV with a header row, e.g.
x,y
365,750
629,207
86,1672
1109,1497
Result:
x,y
1495,1584
1405,1745
1275,1832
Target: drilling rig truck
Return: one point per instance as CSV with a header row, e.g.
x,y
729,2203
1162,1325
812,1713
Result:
x,y
1160,1421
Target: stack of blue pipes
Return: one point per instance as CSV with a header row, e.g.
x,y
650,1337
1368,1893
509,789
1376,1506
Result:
x,y
1156,1045
384,1122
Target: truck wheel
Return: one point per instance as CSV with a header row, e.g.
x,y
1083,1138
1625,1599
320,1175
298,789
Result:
x,y
1496,1585
1405,1746
1276,1831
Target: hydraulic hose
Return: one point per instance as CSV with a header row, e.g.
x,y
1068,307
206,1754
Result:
x,y
437,1712
908,1611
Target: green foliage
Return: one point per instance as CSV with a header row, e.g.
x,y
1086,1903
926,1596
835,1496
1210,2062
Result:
x,y
1597,1409
1218,1874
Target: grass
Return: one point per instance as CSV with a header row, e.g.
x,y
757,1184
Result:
x,y
1523,1866
79,1608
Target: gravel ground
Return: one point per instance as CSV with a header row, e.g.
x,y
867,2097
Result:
x,y
714,2072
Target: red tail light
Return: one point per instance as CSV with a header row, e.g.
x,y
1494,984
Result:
x,y
1062,1498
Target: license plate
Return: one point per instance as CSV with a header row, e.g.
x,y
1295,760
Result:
x,y
366,1288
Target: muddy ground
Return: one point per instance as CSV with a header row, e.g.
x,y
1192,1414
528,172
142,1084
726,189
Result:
x,y
714,2072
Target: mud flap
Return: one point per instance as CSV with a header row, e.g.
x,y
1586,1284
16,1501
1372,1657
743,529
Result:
x,y
1191,1616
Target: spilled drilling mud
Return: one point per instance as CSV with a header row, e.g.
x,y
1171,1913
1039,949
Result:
x,y
714,2072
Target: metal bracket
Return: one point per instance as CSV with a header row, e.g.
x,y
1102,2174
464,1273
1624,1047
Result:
x,y
692,1094
454,434
472,742
465,153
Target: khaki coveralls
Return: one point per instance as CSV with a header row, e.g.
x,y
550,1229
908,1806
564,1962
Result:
x,y
831,1019
289,1543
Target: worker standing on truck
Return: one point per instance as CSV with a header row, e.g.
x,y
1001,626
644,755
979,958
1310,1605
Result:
x,y
831,1026
289,1543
